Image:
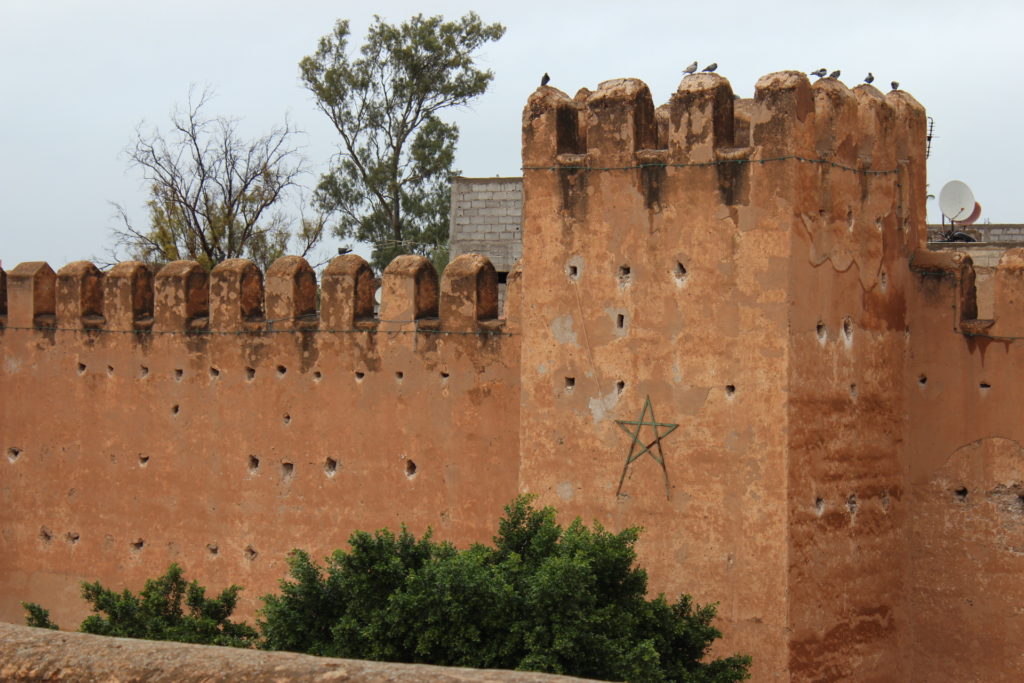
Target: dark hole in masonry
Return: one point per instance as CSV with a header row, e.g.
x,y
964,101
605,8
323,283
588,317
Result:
x,y
574,272
250,373
178,374
961,493
853,391
254,464
72,537
624,273
680,271
317,376
620,386
360,375
13,453
287,470
502,277
620,321
138,544
281,370
984,385
212,548
410,469
214,373
110,369
851,503
176,409
847,328
143,371
730,390
570,382
399,375
45,534
250,553
819,506
445,375
330,466
822,331
922,380
286,418
143,460
81,368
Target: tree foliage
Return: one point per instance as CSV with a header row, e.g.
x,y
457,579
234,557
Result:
x,y
38,617
215,195
391,183
158,613
544,598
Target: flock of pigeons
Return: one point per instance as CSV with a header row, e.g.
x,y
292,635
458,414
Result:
x,y
710,68
820,73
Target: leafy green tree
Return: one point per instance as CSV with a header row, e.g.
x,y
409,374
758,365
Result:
x,y
391,184
37,616
214,195
157,613
543,598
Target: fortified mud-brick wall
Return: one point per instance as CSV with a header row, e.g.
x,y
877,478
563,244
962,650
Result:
x,y
729,260
964,457
220,420
858,216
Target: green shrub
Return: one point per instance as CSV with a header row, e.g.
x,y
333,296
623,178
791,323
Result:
x,y
37,616
157,613
544,598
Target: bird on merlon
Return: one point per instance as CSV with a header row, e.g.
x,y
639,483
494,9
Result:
x,y
690,69
834,74
820,73
895,85
869,79
710,68
544,79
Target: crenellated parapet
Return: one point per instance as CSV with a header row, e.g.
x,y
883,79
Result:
x,y
236,298
851,162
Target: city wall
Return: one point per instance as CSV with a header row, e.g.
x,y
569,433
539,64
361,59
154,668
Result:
x,y
220,421
726,329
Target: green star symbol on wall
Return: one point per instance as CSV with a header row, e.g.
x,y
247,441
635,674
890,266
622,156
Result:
x,y
638,446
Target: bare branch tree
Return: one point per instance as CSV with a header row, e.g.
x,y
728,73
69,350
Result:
x,y
214,195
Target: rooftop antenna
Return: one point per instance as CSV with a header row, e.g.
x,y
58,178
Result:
x,y
928,138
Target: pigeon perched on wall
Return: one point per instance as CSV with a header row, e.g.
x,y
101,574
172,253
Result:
x,y
544,79
834,74
869,79
895,85
820,73
690,69
710,67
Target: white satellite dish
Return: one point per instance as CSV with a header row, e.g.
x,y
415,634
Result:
x,y
376,296
956,201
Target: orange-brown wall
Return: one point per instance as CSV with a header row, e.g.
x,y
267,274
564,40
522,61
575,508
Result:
x,y
965,473
838,480
126,451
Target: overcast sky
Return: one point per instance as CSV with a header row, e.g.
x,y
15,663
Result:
x,y
77,77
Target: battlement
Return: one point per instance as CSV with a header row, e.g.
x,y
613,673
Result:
x,y
617,126
832,418
235,297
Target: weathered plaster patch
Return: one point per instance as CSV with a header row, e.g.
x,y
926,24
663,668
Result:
x,y
600,405
561,328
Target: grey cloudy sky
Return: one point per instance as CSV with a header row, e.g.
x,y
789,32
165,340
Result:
x,y
76,78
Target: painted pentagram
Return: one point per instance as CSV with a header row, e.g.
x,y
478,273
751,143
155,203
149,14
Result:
x,y
638,446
